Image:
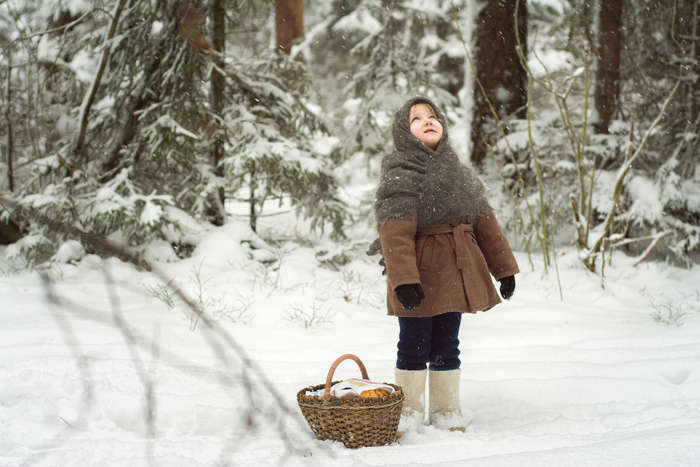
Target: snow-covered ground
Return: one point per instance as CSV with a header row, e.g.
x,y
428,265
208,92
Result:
x,y
102,365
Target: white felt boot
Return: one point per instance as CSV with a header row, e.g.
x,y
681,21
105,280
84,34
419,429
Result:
x,y
445,412
413,410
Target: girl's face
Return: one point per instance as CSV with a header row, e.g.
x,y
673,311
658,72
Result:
x,y
425,125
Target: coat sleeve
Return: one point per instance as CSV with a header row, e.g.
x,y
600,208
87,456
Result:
x,y
494,246
398,239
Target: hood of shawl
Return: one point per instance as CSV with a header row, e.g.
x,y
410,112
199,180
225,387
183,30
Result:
x,y
431,183
404,141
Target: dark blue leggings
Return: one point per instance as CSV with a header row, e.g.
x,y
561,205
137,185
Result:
x,y
433,340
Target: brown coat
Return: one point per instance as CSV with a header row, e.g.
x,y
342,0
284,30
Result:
x,y
453,264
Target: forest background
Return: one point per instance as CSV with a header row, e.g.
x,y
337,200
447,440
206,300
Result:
x,y
122,115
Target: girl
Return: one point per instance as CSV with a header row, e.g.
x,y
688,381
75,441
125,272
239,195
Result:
x,y
441,243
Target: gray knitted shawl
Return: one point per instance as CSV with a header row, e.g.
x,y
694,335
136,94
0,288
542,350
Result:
x,y
432,183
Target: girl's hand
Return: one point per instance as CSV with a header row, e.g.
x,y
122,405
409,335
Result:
x,y
410,296
507,286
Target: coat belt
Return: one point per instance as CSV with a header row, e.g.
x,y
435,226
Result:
x,y
460,240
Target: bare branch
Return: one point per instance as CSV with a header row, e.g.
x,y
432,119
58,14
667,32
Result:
x,y
149,408
651,246
219,340
83,363
62,27
622,173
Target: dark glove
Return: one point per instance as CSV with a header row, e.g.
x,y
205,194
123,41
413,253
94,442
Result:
x,y
410,296
507,286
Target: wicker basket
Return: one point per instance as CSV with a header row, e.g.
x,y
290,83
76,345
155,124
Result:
x,y
355,422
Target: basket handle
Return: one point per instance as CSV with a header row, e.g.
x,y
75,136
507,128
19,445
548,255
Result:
x,y
347,356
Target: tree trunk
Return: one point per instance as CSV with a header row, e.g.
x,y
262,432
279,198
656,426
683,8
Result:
x,y
142,97
498,68
695,48
253,201
92,92
9,232
216,211
451,68
289,23
607,86
8,117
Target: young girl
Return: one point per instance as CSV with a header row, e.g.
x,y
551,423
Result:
x,y
441,243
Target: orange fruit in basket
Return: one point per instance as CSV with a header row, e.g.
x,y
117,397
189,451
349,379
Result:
x,y
379,392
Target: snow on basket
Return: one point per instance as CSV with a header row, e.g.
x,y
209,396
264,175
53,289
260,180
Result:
x,y
356,422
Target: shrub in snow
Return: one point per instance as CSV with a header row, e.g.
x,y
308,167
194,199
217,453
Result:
x,y
69,252
309,315
160,251
31,249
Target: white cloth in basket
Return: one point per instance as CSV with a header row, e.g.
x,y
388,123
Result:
x,y
351,387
